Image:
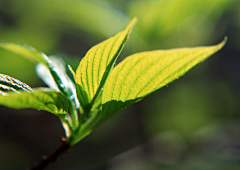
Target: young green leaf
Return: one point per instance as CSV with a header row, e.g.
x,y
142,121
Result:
x,y
5,88
41,99
144,73
26,51
8,83
94,68
36,56
3,93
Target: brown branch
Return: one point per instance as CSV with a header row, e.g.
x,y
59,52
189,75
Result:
x,y
52,157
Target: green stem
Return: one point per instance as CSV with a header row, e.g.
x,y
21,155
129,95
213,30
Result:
x,y
83,117
73,140
67,92
83,130
88,123
73,113
65,120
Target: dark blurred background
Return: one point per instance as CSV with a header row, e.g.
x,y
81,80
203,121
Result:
x,y
193,123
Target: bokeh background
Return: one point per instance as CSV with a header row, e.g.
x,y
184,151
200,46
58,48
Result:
x,y
194,123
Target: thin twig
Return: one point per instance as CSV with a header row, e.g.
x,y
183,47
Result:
x,y
52,157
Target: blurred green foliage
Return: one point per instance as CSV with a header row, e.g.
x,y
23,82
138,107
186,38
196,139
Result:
x,y
162,24
197,111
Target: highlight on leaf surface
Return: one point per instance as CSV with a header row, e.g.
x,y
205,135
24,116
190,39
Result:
x,y
59,69
57,75
8,83
95,67
143,73
40,99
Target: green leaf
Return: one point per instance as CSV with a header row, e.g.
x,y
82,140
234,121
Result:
x,y
94,68
30,53
2,93
5,88
26,51
54,73
144,73
8,83
40,99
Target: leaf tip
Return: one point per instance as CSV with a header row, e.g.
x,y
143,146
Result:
x,y
225,39
222,43
131,24
71,70
134,21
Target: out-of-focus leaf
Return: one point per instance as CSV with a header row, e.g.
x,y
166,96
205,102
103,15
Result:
x,y
84,15
26,51
174,23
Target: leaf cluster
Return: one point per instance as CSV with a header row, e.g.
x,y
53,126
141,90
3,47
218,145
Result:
x,y
99,89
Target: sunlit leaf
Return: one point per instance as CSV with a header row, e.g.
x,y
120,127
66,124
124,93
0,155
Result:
x,y
12,84
5,88
30,53
40,99
144,73
97,64
26,51
3,93
46,76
